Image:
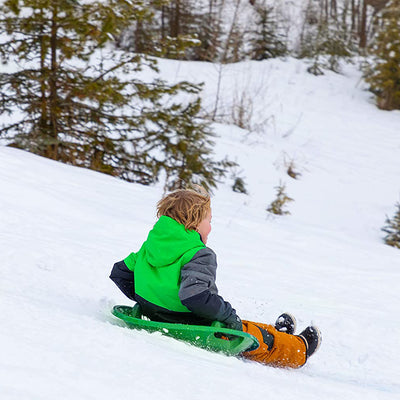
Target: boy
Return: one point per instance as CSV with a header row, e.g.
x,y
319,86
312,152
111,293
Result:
x,y
172,277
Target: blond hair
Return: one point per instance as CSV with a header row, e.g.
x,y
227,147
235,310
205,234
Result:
x,y
186,206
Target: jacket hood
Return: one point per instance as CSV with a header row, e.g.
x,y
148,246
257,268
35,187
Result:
x,y
168,241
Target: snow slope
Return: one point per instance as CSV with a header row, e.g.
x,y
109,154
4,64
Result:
x,y
62,228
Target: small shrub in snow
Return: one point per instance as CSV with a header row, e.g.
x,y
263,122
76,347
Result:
x,y
292,170
239,186
277,206
392,229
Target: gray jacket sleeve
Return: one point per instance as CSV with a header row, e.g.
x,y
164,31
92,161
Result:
x,y
199,293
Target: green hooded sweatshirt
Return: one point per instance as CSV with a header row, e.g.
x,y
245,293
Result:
x,y
157,265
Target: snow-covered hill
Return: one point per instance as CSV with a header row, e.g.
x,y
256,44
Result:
x,y
62,228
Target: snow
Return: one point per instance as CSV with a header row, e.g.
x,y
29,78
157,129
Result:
x,y
62,228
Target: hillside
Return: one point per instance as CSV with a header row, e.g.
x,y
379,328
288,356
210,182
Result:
x,y
62,228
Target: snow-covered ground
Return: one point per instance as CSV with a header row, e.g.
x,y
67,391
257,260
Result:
x,y
62,228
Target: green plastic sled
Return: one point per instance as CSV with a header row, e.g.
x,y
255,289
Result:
x,y
213,338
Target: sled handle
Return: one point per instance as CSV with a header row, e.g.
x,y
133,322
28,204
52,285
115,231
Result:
x,y
231,341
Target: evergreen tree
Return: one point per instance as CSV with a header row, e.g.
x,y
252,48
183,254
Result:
x,y
325,39
383,74
277,206
76,99
142,34
199,23
186,148
265,39
172,30
392,229
208,29
239,185
233,47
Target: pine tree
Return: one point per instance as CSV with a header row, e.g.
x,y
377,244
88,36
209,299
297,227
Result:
x,y
71,109
239,185
392,229
207,26
142,34
172,30
233,48
186,149
265,40
325,39
383,74
277,206
73,97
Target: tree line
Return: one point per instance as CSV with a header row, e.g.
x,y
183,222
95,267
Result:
x,y
71,77
234,30
323,31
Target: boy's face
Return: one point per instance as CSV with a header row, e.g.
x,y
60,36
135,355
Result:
x,y
204,227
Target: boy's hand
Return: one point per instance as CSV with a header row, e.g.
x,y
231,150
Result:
x,y
234,322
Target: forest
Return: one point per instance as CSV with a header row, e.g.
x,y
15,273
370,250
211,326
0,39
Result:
x,y
80,85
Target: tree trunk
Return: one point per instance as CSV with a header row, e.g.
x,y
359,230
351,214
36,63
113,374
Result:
x,y
353,16
334,9
326,7
163,12
52,148
230,33
139,37
175,23
363,25
43,98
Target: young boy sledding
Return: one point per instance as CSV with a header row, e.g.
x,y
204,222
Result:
x,y
172,277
